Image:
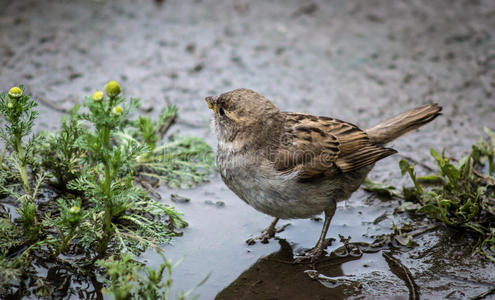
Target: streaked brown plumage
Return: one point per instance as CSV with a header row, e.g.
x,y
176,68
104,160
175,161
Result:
x,y
335,147
295,165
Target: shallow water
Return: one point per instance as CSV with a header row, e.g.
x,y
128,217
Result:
x,y
214,243
360,61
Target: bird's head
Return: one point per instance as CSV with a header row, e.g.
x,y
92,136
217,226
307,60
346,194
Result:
x,y
243,116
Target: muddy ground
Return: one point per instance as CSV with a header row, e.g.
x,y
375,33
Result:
x,y
360,61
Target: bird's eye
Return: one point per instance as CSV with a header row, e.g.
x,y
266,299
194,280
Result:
x,y
221,112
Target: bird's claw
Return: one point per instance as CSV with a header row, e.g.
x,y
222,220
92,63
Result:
x,y
310,256
266,235
313,254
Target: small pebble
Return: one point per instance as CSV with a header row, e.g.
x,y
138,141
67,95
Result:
x,y
179,199
217,203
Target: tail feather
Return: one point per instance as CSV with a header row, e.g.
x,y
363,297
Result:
x,y
394,127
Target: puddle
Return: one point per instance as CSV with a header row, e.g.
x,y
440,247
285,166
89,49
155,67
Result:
x,y
214,243
360,61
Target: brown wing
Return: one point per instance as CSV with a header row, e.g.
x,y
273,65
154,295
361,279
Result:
x,y
315,146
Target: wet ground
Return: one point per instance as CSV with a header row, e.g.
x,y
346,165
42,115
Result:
x,y
360,61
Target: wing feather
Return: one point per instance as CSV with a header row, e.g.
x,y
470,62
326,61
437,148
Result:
x,y
315,146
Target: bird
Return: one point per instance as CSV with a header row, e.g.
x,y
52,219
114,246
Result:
x,y
295,165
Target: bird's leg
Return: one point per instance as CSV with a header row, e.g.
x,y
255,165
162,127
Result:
x,y
317,251
268,233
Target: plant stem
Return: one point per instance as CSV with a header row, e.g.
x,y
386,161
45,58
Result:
x,y
22,165
3,155
107,229
65,241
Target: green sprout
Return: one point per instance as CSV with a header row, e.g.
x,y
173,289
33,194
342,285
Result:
x,y
17,110
129,279
464,194
58,152
70,218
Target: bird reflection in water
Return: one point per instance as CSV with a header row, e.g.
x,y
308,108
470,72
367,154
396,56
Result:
x,y
276,277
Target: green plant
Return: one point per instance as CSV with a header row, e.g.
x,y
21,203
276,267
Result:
x,y
465,194
18,113
67,223
79,201
182,162
149,132
11,272
9,233
58,152
17,109
108,179
107,116
129,279
381,189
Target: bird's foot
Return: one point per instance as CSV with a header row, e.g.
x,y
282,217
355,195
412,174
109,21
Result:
x,y
312,255
266,234
309,256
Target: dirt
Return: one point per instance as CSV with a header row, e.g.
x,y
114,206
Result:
x,y
360,61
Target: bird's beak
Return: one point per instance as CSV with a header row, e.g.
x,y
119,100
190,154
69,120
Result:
x,y
212,103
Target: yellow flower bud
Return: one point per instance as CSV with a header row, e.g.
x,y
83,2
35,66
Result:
x,y
10,105
75,210
112,88
97,96
117,110
15,92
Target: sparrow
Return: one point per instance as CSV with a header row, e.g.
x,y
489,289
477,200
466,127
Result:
x,y
296,165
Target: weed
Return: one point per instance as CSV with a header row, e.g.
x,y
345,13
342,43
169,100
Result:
x,y
129,279
460,195
58,152
381,189
18,112
89,168
182,162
